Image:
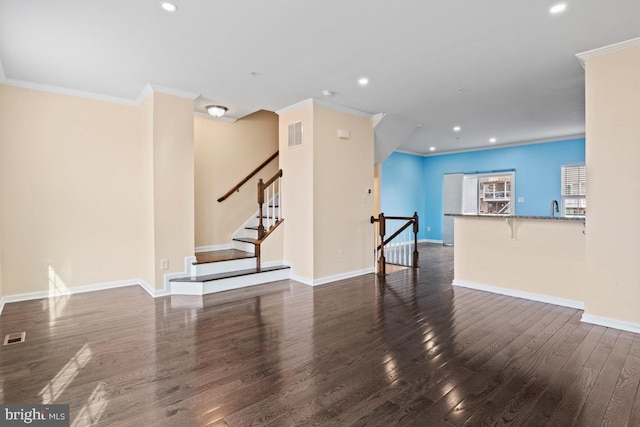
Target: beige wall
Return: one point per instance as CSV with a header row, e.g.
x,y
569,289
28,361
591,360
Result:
x,y
146,253
297,187
224,154
69,190
612,157
99,191
327,213
173,182
546,257
343,169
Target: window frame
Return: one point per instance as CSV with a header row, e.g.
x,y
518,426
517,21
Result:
x,y
582,191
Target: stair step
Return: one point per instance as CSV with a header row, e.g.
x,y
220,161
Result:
x,y
252,228
229,274
221,256
245,240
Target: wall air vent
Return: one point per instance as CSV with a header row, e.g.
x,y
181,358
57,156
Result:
x,y
295,134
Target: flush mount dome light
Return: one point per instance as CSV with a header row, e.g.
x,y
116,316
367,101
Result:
x,y
216,110
492,140
363,81
457,128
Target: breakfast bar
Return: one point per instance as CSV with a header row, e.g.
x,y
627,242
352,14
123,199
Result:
x,y
534,257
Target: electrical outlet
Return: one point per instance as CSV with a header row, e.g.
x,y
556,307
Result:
x,y
428,228
164,264
520,199
339,253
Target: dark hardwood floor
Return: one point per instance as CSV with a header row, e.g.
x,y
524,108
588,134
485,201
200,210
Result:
x,y
405,350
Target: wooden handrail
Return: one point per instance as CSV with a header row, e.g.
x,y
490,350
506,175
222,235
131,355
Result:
x,y
262,232
248,177
273,178
397,233
381,220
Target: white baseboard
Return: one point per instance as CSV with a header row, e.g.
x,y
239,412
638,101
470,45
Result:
x,y
429,241
329,279
611,323
70,291
147,287
103,286
301,279
579,305
213,248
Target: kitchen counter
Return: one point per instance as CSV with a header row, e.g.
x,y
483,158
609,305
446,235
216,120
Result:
x,y
534,257
561,218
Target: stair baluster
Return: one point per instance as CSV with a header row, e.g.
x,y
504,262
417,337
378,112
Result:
x,y
399,247
267,193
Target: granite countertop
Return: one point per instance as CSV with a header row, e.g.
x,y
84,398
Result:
x,y
561,218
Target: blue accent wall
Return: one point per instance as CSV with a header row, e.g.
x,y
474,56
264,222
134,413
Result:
x,y
414,183
402,190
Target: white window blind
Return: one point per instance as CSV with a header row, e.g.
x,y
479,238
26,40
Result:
x,y
574,180
574,190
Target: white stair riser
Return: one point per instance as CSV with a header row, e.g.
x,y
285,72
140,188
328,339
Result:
x,y
242,246
252,234
202,288
222,266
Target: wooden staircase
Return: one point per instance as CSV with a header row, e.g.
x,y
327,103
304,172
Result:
x,y
242,265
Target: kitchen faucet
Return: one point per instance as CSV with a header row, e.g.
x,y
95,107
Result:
x,y
554,208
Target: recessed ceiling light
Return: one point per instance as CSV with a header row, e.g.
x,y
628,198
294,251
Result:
x,y
169,7
457,128
558,8
492,140
432,148
363,81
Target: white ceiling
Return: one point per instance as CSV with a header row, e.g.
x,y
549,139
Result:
x,y
498,68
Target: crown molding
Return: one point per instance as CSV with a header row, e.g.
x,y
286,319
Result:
x,y
326,104
496,147
149,88
66,91
377,118
583,57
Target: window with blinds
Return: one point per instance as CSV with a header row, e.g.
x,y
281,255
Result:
x,y
574,190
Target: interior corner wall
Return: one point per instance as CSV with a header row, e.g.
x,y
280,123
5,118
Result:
x,y
69,192
173,183
342,203
146,213
297,188
613,156
224,154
